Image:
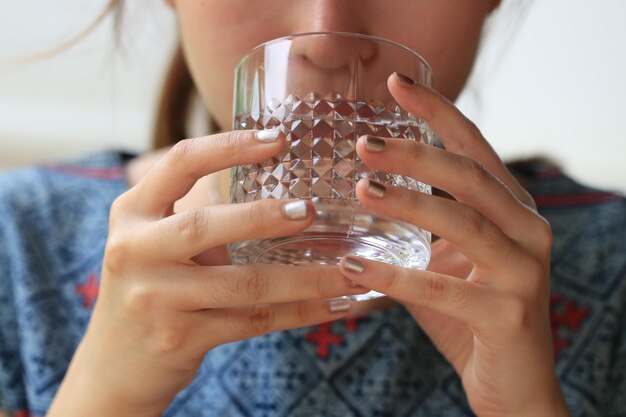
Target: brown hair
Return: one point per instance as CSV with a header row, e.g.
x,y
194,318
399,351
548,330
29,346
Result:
x,y
177,93
175,103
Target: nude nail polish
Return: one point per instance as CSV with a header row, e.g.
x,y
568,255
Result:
x,y
353,265
375,189
374,144
296,210
267,136
404,80
339,305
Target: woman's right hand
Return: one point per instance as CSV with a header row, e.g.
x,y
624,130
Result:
x,y
158,312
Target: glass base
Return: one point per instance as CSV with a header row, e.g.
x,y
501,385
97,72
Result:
x,y
341,229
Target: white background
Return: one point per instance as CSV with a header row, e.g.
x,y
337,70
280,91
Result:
x,y
557,88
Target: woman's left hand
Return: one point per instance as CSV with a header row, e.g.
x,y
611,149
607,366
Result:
x,y
487,309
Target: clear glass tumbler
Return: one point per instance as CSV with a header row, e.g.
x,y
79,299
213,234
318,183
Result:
x,y
324,91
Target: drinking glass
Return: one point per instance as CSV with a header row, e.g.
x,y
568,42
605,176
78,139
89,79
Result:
x,y
324,91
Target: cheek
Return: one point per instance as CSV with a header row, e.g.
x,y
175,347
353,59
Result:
x,y
215,35
452,62
450,52
445,32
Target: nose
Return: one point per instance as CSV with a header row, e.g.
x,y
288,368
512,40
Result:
x,y
330,53
328,16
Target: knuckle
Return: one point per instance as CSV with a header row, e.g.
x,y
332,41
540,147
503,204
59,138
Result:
x,y
261,318
434,288
390,279
181,151
305,315
167,339
416,150
476,172
119,207
117,254
140,299
180,155
474,222
192,224
255,285
468,136
479,227
460,297
472,133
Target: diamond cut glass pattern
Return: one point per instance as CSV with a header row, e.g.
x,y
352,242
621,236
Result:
x,y
323,100
321,160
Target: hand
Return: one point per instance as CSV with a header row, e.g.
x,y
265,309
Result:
x,y
159,312
487,307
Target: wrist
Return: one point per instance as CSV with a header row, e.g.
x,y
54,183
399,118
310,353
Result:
x,y
82,393
553,405
72,402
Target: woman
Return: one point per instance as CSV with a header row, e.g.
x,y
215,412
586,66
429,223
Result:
x,y
471,335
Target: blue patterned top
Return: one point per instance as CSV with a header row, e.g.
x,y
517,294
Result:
x,y
53,227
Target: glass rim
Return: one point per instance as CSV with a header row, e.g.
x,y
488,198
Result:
x,y
378,39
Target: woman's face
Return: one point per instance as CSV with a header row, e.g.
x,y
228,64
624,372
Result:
x,y
217,33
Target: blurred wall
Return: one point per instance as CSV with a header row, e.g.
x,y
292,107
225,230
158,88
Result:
x,y
557,88
90,97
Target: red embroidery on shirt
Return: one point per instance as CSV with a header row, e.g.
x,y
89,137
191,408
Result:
x,y
23,413
564,313
88,290
352,323
101,173
324,339
579,199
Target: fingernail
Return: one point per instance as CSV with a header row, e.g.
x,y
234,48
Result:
x,y
353,265
374,144
296,210
375,189
267,136
404,80
339,305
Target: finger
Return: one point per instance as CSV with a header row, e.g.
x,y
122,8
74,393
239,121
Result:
x,y
457,132
199,288
189,160
465,179
453,338
470,302
184,235
447,259
212,257
234,324
465,227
